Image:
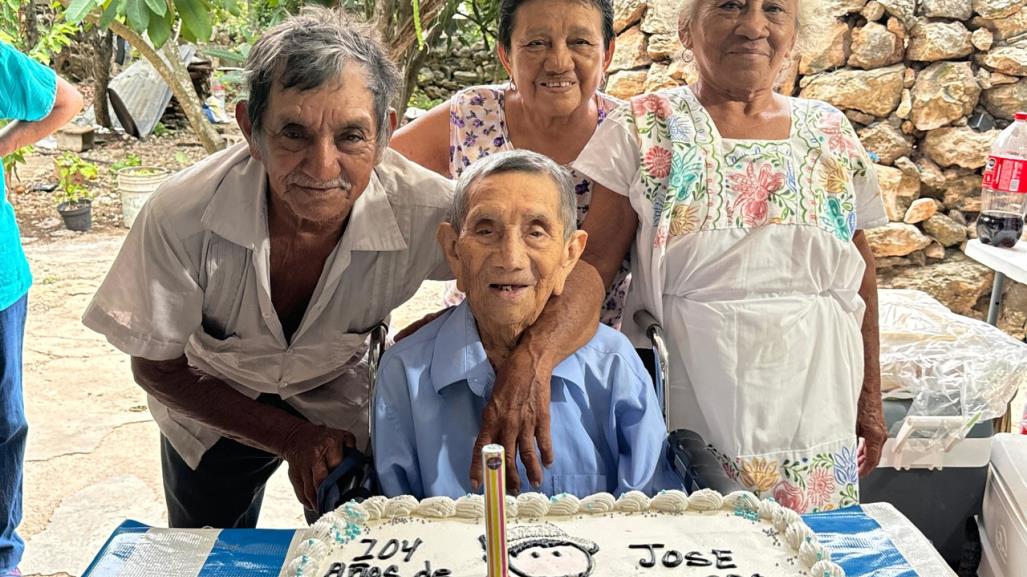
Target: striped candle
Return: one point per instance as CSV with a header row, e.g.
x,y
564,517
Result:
x,y
494,472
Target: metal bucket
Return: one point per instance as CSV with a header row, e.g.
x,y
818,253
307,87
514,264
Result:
x,y
136,183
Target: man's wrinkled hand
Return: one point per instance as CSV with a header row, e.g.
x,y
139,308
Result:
x,y
517,417
312,451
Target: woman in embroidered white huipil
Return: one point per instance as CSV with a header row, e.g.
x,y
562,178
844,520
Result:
x,y
750,252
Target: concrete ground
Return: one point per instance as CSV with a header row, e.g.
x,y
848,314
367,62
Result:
x,y
93,456
93,449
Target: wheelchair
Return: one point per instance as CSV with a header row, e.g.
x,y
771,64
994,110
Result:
x,y
354,478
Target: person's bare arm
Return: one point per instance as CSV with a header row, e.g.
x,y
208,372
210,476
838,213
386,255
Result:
x,y
517,415
426,140
312,451
67,103
870,414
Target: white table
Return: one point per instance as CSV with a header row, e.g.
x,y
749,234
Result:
x,y
1007,263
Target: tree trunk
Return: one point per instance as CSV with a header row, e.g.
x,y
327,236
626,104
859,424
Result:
x,y
30,28
395,22
103,51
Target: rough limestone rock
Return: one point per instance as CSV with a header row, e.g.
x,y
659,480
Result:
x,y
660,18
843,7
932,41
954,9
898,190
958,282
631,51
921,210
627,13
659,78
875,92
1006,100
959,146
1011,60
626,83
831,53
874,46
944,92
904,10
1005,28
982,39
664,47
1014,310
931,176
998,79
945,230
962,190
886,141
935,251
997,8
873,11
896,239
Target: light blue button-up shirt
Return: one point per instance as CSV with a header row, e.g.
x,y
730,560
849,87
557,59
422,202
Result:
x,y
607,430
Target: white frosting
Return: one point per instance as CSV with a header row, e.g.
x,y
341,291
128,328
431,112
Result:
x,y
375,507
597,504
826,569
563,505
511,505
670,502
470,507
705,500
436,507
810,552
401,506
532,505
632,502
719,519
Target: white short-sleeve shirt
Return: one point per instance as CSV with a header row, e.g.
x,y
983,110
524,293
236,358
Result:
x,y
193,278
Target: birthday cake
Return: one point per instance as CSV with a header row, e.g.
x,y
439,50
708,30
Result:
x,y
699,535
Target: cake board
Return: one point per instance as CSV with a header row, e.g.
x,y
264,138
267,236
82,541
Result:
x,y
872,540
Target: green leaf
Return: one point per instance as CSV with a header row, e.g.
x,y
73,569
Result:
x,y
78,9
137,14
196,23
110,13
159,30
158,7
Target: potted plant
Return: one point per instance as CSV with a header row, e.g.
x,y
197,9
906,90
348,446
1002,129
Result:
x,y
73,195
135,184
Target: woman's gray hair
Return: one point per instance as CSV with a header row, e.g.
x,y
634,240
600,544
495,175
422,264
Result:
x,y
310,50
517,161
813,21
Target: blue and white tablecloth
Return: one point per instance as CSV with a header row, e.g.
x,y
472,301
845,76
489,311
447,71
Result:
x,y
870,541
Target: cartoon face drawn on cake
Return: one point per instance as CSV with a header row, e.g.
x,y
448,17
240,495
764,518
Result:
x,y
547,551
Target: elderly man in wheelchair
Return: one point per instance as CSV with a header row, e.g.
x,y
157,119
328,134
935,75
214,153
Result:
x,y
511,242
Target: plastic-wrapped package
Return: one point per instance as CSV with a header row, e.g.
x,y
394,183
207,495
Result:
x,y
950,365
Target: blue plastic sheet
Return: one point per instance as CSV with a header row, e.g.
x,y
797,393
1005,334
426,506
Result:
x,y
857,543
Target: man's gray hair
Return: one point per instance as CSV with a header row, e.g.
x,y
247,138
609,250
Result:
x,y
310,50
517,161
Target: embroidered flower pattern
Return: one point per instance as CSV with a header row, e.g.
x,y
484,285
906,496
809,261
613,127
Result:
x,y
760,474
752,193
657,162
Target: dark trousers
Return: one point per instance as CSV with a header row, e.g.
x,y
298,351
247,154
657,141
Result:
x,y
227,489
13,432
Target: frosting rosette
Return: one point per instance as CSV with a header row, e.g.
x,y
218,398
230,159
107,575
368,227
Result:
x,y
705,500
564,505
532,505
375,506
670,502
401,506
826,569
632,502
436,507
597,504
470,507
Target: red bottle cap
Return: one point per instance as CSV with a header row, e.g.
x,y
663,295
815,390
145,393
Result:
x,y
1020,116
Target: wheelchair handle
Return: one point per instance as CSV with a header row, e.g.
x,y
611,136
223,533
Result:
x,y
654,331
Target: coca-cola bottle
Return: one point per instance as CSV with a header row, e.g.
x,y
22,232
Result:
x,y
1004,191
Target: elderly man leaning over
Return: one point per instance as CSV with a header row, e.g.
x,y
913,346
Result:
x,y
247,287
512,242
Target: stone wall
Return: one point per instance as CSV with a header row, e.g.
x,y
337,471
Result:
x,y
928,84
447,71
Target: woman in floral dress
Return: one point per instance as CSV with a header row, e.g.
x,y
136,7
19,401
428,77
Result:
x,y
556,53
747,211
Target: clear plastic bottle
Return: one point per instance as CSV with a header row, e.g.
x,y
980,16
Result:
x,y
1004,191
